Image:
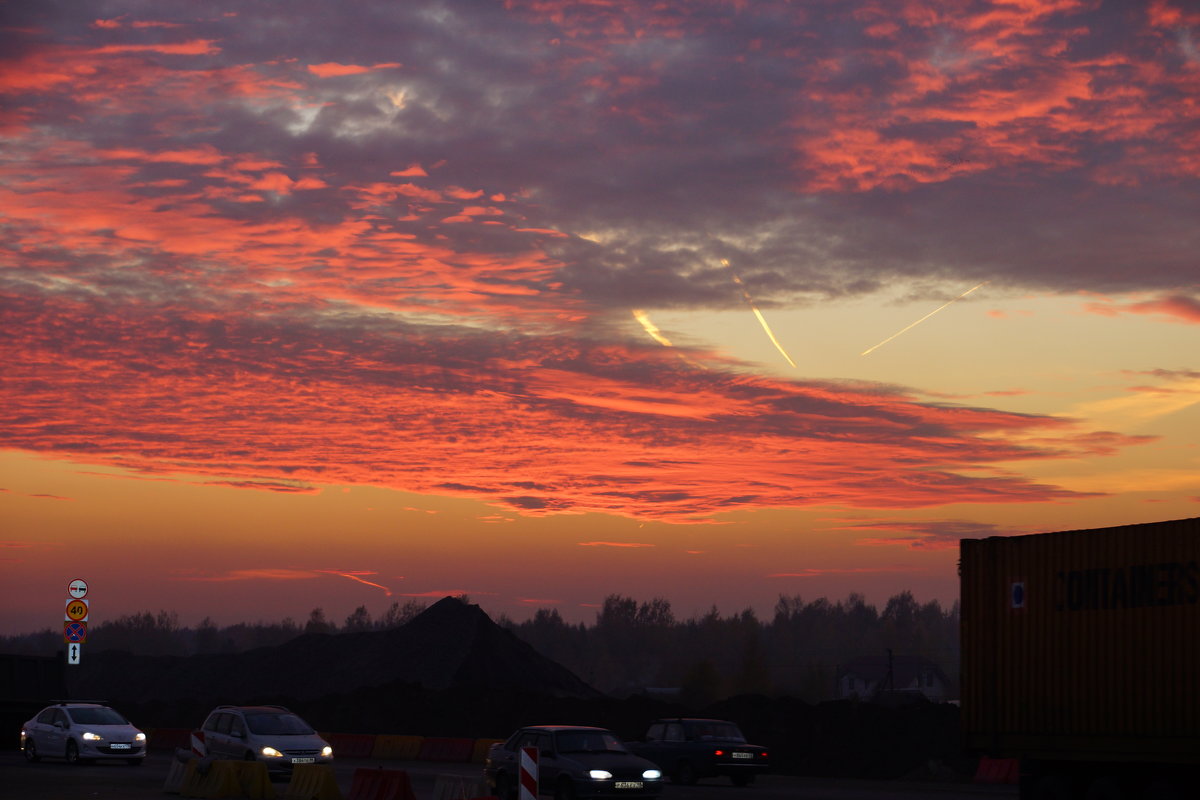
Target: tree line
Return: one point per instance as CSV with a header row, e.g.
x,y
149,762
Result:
x,y
631,647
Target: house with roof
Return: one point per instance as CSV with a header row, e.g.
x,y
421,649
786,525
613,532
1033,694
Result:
x,y
869,677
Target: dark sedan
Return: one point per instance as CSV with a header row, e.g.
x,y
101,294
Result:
x,y
573,761
691,749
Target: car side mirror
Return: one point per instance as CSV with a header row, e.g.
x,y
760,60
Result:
x,y
58,723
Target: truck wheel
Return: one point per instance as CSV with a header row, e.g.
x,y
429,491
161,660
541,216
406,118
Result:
x,y
685,773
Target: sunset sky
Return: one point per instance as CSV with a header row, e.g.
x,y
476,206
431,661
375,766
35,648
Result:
x,y
336,304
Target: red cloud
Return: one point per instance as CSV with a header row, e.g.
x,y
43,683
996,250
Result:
x,y
264,574
1178,308
816,572
196,47
333,69
160,392
1010,90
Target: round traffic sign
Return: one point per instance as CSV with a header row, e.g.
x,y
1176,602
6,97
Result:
x,y
75,632
77,610
77,588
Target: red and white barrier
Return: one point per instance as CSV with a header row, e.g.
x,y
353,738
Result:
x,y
529,774
199,750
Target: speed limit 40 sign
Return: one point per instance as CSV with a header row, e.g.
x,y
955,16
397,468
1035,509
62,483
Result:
x,y
76,611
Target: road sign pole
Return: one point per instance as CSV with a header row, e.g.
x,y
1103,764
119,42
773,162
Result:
x,y
76,619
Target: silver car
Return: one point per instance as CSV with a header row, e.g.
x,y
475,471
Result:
x,y
270,734
82,732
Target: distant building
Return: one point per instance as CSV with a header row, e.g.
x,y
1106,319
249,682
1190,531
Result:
x,y
868,677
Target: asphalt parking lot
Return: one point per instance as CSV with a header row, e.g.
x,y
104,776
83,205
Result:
x,y
52,779
56,780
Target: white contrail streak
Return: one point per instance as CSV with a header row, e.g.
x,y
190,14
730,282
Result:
x,y
922,319
771,336
761,319
651,328
658,336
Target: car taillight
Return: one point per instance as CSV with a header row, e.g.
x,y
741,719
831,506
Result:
x,y
718,752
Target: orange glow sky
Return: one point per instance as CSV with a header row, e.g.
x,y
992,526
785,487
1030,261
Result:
x,y
341,309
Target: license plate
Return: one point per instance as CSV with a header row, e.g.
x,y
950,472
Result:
x,y
121,746
304,760
627,785
743,755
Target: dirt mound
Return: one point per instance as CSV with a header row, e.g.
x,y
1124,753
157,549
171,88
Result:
x,y
452,644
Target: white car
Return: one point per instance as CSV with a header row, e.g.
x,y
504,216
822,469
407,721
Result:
x,y
82,732
270,734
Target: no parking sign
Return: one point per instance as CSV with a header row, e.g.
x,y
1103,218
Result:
x,y
75,632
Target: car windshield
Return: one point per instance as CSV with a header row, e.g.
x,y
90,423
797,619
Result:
x,y
725,731
96,716
589,742
277,724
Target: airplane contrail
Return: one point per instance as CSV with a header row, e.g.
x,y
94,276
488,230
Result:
x,y
658,336
761,319
354,576
922,319
651,328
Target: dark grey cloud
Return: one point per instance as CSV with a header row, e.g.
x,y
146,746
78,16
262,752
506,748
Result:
x,y
692,141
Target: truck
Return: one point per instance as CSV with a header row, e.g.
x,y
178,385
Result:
x,y
1081,659
688,749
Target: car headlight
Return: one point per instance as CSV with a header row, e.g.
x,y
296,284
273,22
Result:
x,y
141,737
327,751
271,752
88,736
652,775
600,775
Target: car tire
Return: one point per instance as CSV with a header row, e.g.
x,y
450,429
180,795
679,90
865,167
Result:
x,y
72,752
565,790
31,753
685,773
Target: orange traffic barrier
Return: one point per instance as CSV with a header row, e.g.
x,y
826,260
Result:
x,y
380,784
174,780
351,745
400,748
998,770
479,755
458,787
247,779
312,782
445,749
